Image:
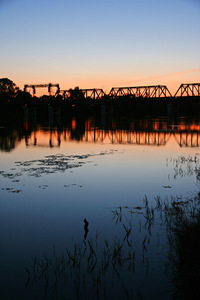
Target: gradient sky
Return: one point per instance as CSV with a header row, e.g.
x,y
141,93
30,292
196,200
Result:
x,y
100,44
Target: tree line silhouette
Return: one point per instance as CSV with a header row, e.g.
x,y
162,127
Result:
x,y
10,93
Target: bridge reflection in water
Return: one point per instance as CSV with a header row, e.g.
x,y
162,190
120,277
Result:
x,y
185,136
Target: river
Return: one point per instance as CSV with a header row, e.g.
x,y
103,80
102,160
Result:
x,y
113,172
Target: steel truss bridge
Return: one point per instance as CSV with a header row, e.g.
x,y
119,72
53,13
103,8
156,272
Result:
x,y
149,138
87,93
141,92
154,91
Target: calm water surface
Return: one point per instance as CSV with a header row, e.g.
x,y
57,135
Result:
x,y
52,177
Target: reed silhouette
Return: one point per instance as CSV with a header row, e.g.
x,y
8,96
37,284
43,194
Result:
x,y
88,267
86,228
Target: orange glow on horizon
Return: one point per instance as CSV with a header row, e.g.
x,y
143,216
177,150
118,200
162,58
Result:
x,y
108,80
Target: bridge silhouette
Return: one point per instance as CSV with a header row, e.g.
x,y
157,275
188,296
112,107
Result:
x,y
140,92
49,86
87,93
157,137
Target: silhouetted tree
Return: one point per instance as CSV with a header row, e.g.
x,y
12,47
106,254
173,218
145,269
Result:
x,y
46,98
7,86
8,89
23,97
76,94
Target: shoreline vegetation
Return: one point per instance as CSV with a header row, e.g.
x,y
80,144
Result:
x,y
188,261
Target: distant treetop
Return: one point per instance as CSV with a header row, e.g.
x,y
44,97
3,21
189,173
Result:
x,y
8,87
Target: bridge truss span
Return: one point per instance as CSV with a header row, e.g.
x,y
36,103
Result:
x,y
87,93
188,89
153,91
93,93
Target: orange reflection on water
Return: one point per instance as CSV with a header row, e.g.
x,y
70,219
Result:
x,y
191,127
158,134
43,138
73,124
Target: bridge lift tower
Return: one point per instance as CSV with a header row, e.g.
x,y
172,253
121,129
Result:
x,y
49,85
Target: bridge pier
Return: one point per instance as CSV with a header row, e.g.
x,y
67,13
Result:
x,y
29,113
171,108
54,114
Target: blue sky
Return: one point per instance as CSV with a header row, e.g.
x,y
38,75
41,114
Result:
x,y
100,43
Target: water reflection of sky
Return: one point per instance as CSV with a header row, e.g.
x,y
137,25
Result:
x,y
39,212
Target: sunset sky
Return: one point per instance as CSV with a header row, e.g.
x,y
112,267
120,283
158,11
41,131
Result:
x,y
101,44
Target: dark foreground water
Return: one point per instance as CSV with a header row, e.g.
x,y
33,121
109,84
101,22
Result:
x,y
120,175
